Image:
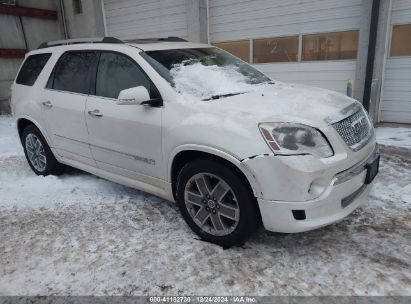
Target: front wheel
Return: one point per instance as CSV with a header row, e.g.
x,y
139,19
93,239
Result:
x,y
216,202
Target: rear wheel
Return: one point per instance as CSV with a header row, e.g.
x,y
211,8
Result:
x,y
38,153
216,203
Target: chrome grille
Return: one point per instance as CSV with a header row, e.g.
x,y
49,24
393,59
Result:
x,y
355,130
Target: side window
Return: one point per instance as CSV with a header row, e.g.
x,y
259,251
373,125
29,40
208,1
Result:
x,y
72,72
32,68
117,72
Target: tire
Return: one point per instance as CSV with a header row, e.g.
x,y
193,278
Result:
x,y
236,207
42,161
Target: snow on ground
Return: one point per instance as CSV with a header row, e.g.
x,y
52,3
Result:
x,y
9,141
394,137
81,235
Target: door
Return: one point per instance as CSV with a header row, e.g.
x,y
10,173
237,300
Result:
x,y
124,139
64,102
395,103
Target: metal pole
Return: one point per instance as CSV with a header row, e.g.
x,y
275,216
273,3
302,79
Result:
x,y
63,17
371,53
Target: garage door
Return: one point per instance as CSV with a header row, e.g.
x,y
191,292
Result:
x,y
132,19
396,97
302,41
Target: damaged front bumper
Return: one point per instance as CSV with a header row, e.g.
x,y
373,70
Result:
x,y
299,193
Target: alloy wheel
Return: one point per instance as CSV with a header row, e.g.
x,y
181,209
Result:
x,y
212,204
35,152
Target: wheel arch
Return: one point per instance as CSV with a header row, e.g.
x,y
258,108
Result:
x,y
183,155
23,121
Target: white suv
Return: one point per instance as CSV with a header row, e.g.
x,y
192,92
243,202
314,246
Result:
x,y
193,124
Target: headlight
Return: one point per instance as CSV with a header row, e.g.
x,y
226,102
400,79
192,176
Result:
x,y
291,138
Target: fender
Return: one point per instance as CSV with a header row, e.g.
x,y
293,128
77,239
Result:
x,y
34,122
216,152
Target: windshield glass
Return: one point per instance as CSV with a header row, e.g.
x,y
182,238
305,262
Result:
x,y
206,73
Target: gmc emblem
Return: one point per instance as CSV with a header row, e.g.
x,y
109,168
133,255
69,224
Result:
x,y
359,124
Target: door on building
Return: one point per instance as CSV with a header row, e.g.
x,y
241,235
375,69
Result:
x,y
395,103
124,139
64,101
292,41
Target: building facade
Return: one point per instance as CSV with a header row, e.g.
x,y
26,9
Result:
x,y
357,47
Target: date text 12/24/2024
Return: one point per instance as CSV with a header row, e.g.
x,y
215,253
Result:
x,y
202,299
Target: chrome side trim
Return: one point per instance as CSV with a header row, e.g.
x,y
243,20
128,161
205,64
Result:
x,y
356,169
66,92
76,140
135,157
346,201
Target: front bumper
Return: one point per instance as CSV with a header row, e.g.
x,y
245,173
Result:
x,y
346,191
279,217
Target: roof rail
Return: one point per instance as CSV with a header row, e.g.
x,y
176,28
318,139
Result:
x,y
151,40
79,41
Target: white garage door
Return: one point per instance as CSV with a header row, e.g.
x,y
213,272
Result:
x,y
132,19
327,59
396,98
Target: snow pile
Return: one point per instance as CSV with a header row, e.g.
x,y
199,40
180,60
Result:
x,y
197,81
77,234
394,137
9,140
20,187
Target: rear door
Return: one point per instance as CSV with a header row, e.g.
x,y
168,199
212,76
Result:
x,y
124,139
64,102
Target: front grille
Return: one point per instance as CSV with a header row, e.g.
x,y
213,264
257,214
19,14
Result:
x,y
355,130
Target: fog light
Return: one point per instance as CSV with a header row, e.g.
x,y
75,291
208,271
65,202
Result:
x,y
317,187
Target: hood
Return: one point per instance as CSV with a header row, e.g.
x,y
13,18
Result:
x,y
284,103
230,124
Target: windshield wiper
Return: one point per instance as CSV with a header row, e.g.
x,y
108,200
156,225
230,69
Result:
x,y
222,96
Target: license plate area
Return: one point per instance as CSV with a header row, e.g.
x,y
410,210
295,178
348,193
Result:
x,y
372,169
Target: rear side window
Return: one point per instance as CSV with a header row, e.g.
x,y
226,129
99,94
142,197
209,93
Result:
x,y
32,68
72,72
118,72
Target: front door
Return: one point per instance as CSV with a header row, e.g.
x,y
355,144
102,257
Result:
x,y
64,101
124,139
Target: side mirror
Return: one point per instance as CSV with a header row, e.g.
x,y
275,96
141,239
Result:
x,y
133,96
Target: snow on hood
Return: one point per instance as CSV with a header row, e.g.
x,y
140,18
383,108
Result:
x,y
264,102
195,82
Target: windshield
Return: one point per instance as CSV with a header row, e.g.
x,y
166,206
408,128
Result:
x,y
206,73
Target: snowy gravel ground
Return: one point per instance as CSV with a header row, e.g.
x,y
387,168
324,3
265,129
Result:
x,y
81,235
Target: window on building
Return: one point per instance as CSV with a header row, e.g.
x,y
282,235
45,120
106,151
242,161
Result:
x,y
8,2
283,49
72,72
77,7
117,72
32,68
401,40
330,46
240,48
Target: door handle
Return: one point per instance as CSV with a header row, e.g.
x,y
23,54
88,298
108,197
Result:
x,y
95,113
47,104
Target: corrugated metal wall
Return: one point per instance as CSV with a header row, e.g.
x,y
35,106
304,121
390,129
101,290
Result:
x,y
235,20
329,75
146,18
247,19
23,33
396,99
